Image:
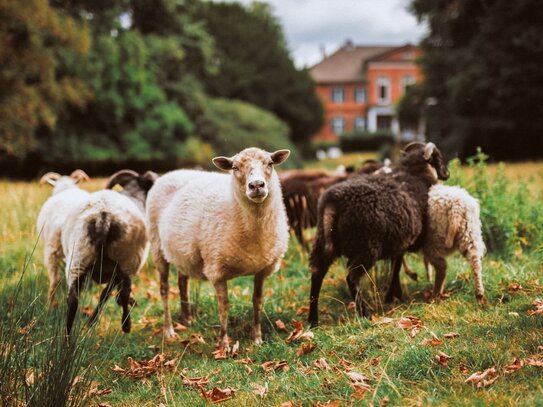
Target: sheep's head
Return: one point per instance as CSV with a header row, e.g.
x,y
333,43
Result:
x,y
63,182
134,185
252,170
430,156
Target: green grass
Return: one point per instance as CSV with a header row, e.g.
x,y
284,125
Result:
x,y
406,374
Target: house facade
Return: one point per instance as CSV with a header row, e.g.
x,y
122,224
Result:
x,y
360,85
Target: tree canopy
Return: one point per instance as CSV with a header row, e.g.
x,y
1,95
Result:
x,y
481,61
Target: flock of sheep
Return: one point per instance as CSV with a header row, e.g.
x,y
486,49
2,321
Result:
x,y
218,226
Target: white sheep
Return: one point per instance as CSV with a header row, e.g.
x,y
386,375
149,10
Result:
x,y
217,227
102,236
454,225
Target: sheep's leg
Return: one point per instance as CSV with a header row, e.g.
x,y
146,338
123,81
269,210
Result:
x,y
440,265
257,305
52,257
395,289
356,270
317,275
103,298
409,271
428,268
125,287
163,269
222,299
477,269
73,301
184,290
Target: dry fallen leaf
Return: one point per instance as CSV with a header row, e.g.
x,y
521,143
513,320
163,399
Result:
x,y
261,391
514,286
87,310
345,363
434,341
409,322
385,401
375,321
450,335
26,329
534,362
30,377
235,349
464,369
515,365
483,379
302,310
220,354
305,348
321,363
375,361
179,327
538,303
217,395
442,358
358,383
281,325
329,403
139,370
288,404
275,365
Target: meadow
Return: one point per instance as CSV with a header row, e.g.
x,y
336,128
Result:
x,y
414,352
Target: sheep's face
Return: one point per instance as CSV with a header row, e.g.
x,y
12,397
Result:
x,y
436,162
426,158
252,170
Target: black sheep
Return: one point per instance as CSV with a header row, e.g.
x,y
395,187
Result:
x,y
373,218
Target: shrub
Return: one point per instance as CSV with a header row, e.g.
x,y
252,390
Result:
x,y
366,141
511,216
233,125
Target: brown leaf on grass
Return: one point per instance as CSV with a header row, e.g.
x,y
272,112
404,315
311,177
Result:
x,y
451,335
322,364
197,382
464,369
329,403
483,379
94,390
87,310
534,362
179,327
515,365
298,332
248,369
118,369
261,391
217,395
346,364
375,320
244,361
235,349
305,348
358,383
220,354
26,329
434,341
442,358
30,377
139,370
409,322
302,310
538,303
375,361
385,401
281,325
275,365
288,404
514,286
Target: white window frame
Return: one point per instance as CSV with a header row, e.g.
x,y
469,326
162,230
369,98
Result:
x,y
359,123
337,90
338,125
383,81
360,91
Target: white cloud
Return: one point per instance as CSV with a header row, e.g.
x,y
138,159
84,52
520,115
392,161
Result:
x,y
310,24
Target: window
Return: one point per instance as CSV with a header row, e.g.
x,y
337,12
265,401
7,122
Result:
x,y
338,95
407,81
338,125
359,123
360,95
383,90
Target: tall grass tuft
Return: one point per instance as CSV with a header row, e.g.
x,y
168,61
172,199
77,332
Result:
x,y
39,364
511,213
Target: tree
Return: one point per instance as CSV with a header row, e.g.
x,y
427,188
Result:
x,y
481,63
255,66
35,84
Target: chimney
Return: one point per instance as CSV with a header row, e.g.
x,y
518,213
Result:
x,y
322,49
348,45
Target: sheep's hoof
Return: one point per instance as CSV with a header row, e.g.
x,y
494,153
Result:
x,y
224,343
132,302
481,300
169,332
184,320
258,340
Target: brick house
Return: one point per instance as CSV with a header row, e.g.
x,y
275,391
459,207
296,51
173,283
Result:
x,y
360,85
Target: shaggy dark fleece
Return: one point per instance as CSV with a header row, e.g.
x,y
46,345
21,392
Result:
x,y
372,218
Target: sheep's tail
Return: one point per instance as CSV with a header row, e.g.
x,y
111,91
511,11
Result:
x,y
323,249
102,229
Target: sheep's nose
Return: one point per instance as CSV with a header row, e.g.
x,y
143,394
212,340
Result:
x,y
256,184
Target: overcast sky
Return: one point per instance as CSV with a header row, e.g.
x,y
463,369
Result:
x,y
310,24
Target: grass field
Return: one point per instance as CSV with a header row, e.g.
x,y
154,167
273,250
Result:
x,y
355,361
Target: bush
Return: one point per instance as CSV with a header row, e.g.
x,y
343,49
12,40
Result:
x,y
366,141
234,125
511,216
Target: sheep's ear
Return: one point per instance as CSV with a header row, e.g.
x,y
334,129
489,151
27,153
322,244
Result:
x,y
147,180
428,151
280,156
223,163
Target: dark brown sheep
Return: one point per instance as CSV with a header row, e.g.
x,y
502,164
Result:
x,y
377,217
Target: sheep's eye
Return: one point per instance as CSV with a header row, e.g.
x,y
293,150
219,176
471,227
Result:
x,y
236,169
270,164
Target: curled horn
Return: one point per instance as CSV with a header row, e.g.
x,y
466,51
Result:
x,y
428,150
121,178
50,178
411,145
79,176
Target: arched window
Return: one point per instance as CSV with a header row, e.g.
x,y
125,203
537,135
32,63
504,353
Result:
x,y
383,90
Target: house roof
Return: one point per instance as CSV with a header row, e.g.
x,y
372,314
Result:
x,y
346,64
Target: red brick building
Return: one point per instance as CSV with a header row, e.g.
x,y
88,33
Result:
x,y
360,85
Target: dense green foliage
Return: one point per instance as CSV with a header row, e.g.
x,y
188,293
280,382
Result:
x,y
254,65
481,63
366,141
95,81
